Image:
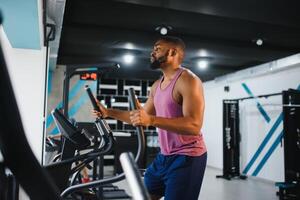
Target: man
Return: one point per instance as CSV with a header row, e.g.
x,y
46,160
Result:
x,y
175,106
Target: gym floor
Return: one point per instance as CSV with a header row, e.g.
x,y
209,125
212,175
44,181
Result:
x,y
217,189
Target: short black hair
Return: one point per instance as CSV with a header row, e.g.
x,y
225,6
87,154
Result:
x,y
173,40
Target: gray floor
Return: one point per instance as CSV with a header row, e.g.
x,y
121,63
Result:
x,y
250,189
221,189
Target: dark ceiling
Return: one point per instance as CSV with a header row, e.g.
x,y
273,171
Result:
x,y
223,33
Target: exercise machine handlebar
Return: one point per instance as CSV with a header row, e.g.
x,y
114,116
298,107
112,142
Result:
x,y
100,123
137,187
139,129
93,101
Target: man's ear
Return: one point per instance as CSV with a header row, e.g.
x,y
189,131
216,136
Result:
x,y
173,53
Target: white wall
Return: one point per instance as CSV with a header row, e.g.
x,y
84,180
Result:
x,y
27,73
253,126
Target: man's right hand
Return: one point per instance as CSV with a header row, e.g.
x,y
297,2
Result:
x,y
103,111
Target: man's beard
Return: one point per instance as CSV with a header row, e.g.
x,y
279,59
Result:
x,y
157,62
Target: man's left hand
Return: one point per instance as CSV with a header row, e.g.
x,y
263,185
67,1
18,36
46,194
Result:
x,y
140,117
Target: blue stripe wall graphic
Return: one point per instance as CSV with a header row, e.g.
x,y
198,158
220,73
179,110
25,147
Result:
x,y
74,109
259,106
268,154
50,82
264,142
271,150
82,100
73,92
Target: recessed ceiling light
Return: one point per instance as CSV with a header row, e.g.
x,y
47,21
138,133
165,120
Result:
x,y
129,46
128,58
202,64
203,53
163,30
259,42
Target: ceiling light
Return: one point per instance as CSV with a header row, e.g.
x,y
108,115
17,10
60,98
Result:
x,y
259,42
163,30
203,53
128,58
202,64
129,46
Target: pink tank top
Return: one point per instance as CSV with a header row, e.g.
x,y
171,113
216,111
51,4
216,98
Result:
x,y
171,142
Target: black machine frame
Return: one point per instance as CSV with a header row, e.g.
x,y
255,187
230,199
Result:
x,y
232,137
231,140
290,188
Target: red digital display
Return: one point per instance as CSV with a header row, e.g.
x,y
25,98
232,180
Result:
x,y
88,76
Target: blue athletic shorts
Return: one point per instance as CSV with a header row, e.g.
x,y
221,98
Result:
x,y
176,176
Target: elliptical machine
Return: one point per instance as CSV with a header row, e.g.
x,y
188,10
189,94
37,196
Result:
x,y
75,140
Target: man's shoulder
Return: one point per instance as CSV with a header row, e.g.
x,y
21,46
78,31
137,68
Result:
x,y
188,82
188,76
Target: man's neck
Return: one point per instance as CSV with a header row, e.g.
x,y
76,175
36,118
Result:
x,y
170,71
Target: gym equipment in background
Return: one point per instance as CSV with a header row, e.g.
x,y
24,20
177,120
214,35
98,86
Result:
x,y
231,140
290,189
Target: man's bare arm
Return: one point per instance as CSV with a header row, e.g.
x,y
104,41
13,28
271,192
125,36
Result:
x,y
123,115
